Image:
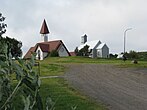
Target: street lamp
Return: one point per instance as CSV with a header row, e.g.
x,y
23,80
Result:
x,y
125,39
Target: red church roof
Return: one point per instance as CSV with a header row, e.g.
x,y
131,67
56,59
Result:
x,y
44,28
46,47
29,53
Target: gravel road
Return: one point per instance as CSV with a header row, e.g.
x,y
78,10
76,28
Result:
x,y
118,88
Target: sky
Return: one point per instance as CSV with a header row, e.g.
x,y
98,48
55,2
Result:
x,y
68,20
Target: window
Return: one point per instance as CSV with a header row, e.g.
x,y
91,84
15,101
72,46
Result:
x,y
38,54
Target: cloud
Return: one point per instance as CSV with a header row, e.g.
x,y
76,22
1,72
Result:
x,y
105,20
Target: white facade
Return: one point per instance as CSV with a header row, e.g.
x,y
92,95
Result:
x,y
44,37
97,49
40,55
103,51
62,51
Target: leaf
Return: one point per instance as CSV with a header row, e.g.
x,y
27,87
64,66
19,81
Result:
x,y
39,102
26,102
28,84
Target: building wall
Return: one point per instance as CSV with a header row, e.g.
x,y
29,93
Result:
x,y
95,50
62,51
99,53
42,54
105,52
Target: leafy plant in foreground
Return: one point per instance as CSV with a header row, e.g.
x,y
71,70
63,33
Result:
x,y
27,84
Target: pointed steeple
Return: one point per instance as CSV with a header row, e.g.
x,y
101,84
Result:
x,y
44,28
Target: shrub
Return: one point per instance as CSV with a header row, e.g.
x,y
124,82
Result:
x,y
54,53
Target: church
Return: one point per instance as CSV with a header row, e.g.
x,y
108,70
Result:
x,y
96,48
43,49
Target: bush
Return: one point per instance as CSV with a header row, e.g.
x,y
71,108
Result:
x,y
54,53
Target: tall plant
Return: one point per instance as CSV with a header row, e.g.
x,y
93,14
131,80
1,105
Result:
x,y
27,83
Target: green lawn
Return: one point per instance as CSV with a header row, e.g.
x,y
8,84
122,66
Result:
x,y
59,90
65,97
69,60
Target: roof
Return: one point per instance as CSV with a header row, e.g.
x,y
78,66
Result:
x,y
49,46
72,53
91,44
44,28
101,46
29,53
46,47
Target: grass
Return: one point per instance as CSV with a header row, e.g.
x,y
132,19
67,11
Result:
x,y
118,62
66,97
51,69
59,90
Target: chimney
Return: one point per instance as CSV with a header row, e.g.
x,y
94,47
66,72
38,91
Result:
x,y
84,39
44,31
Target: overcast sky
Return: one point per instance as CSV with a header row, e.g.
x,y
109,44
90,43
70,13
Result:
x,y
68,20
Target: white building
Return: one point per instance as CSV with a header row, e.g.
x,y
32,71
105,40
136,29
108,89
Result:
x,y
43,49
96,48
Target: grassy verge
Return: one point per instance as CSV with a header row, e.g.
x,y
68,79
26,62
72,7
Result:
x,y
117,62
51,69
65,97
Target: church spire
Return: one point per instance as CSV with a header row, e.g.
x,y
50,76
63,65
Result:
x,y
44,28
44,31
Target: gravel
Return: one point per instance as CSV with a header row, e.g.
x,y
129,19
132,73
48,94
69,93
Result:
x,y
118,88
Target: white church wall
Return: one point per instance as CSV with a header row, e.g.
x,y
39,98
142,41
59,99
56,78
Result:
x,y
39,51
62,51
105,52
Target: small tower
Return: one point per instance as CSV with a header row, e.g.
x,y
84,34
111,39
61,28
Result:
x,y
44,31
84,39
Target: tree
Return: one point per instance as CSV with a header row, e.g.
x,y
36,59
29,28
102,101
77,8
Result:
x,y
2,25
14,46
54,53
113,56
84,51
132,55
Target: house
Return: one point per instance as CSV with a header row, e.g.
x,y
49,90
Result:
x,y
96,48
42,49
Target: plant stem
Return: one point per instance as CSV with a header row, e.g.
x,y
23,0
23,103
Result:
x,y
8,99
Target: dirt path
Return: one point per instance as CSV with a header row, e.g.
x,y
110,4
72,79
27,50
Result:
x,y
118,88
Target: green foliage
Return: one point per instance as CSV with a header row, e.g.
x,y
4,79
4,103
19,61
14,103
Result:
x,y
113,56
82,52
54,53
2,25
142,55
132,55
27,84
13,45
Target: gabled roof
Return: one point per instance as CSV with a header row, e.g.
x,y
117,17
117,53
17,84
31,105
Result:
x,y
46,47
101,46
29,53
49,46
44,28
91,44
72,53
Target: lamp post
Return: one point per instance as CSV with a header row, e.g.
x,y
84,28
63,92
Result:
x,y
125,39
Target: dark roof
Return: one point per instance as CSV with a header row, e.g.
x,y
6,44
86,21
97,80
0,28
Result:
x,y
46,47
49,46
29,53
44,28
72,53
